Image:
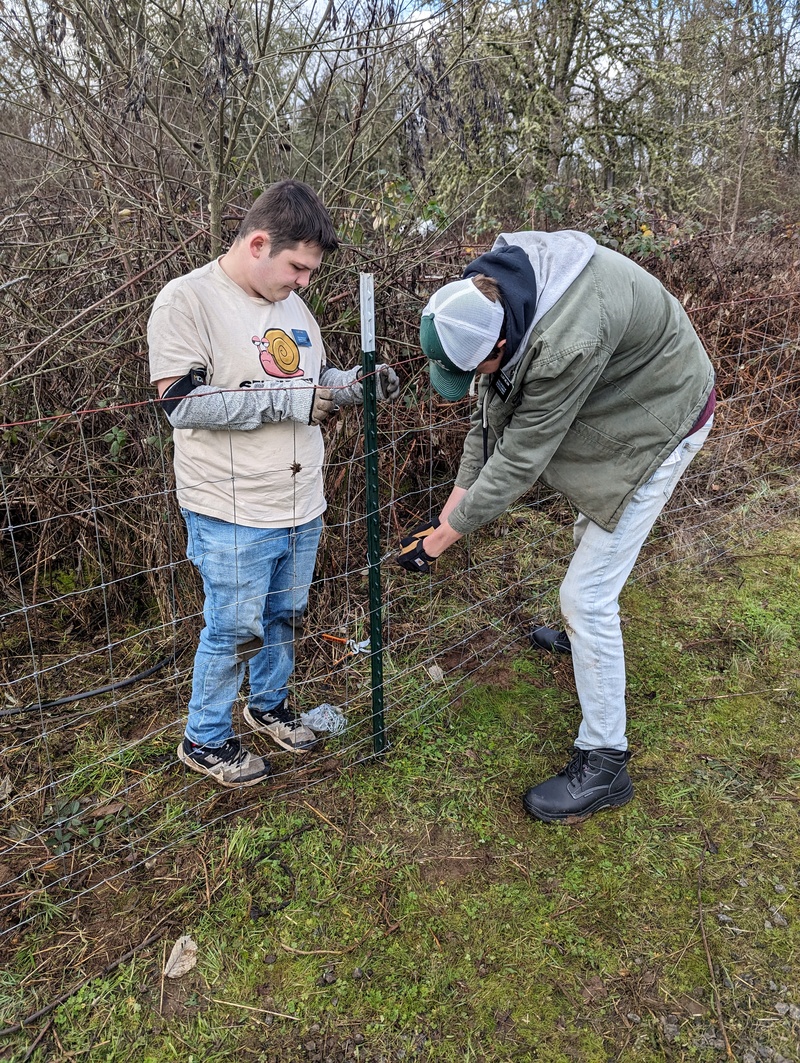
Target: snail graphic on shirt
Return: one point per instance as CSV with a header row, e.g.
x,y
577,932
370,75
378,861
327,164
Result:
x,y
278,353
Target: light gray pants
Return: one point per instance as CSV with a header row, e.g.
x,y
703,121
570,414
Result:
x,y
590,594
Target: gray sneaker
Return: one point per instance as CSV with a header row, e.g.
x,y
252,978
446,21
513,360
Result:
x,y
229,764
282,726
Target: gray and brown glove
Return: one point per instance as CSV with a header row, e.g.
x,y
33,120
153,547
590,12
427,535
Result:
x,y
322,406
348,387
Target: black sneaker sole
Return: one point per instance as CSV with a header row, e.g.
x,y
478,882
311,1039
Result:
x,y
573,818
209,772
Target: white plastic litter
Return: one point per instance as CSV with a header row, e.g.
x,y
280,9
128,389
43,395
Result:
x,y
325,718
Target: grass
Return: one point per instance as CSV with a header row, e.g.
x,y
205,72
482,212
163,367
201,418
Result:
x,y
407,910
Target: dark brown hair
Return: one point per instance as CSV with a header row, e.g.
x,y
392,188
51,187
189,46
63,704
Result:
x,y
489,287
290,212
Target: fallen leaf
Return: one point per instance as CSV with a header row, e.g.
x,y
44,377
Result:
x,y
107,810
182,958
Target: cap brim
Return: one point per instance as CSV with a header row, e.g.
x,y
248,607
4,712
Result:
x,y
451,384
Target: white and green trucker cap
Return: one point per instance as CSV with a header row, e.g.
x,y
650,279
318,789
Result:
x,y
459,330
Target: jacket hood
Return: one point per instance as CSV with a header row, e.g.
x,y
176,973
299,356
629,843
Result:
x,y
556,260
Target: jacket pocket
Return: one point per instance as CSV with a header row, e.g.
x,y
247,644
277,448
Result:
x,y
499,414
596,440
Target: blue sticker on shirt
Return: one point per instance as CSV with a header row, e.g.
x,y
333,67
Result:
x,y
301,337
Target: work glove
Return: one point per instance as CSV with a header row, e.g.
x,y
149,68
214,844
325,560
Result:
x,y
349,390
322,406
413,558
387,383
420,532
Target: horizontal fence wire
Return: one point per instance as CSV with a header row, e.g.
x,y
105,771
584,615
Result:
x,y
101,610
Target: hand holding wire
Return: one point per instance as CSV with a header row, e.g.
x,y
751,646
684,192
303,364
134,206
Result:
x,y
412,556
414,559
420,532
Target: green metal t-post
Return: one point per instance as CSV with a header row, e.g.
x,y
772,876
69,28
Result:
x,y
373,514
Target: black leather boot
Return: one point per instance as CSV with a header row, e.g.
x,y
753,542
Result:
x,y
593,779
550,639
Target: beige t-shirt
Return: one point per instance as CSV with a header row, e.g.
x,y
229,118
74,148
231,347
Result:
x,y
267,478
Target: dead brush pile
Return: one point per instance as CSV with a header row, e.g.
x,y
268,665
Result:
x,y
744,301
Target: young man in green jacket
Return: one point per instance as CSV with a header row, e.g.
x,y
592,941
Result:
x,y
592,380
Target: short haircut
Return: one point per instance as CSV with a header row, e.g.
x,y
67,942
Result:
x,y
290,212
489,287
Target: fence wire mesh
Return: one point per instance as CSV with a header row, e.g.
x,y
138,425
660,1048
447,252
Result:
x,y
101,610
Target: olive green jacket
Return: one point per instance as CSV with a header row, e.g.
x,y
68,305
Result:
x,y
612,378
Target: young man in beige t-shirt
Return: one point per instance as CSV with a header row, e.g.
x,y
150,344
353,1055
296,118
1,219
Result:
x,y
239,365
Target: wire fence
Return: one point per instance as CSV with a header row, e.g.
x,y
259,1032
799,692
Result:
x,y
101,610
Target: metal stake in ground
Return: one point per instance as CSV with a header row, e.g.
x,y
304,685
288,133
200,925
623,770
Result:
x,y
373,515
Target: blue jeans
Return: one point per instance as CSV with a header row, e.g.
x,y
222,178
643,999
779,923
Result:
x,y
256,584
590,594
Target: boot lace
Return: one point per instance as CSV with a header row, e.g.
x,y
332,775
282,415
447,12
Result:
x,y
578,765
